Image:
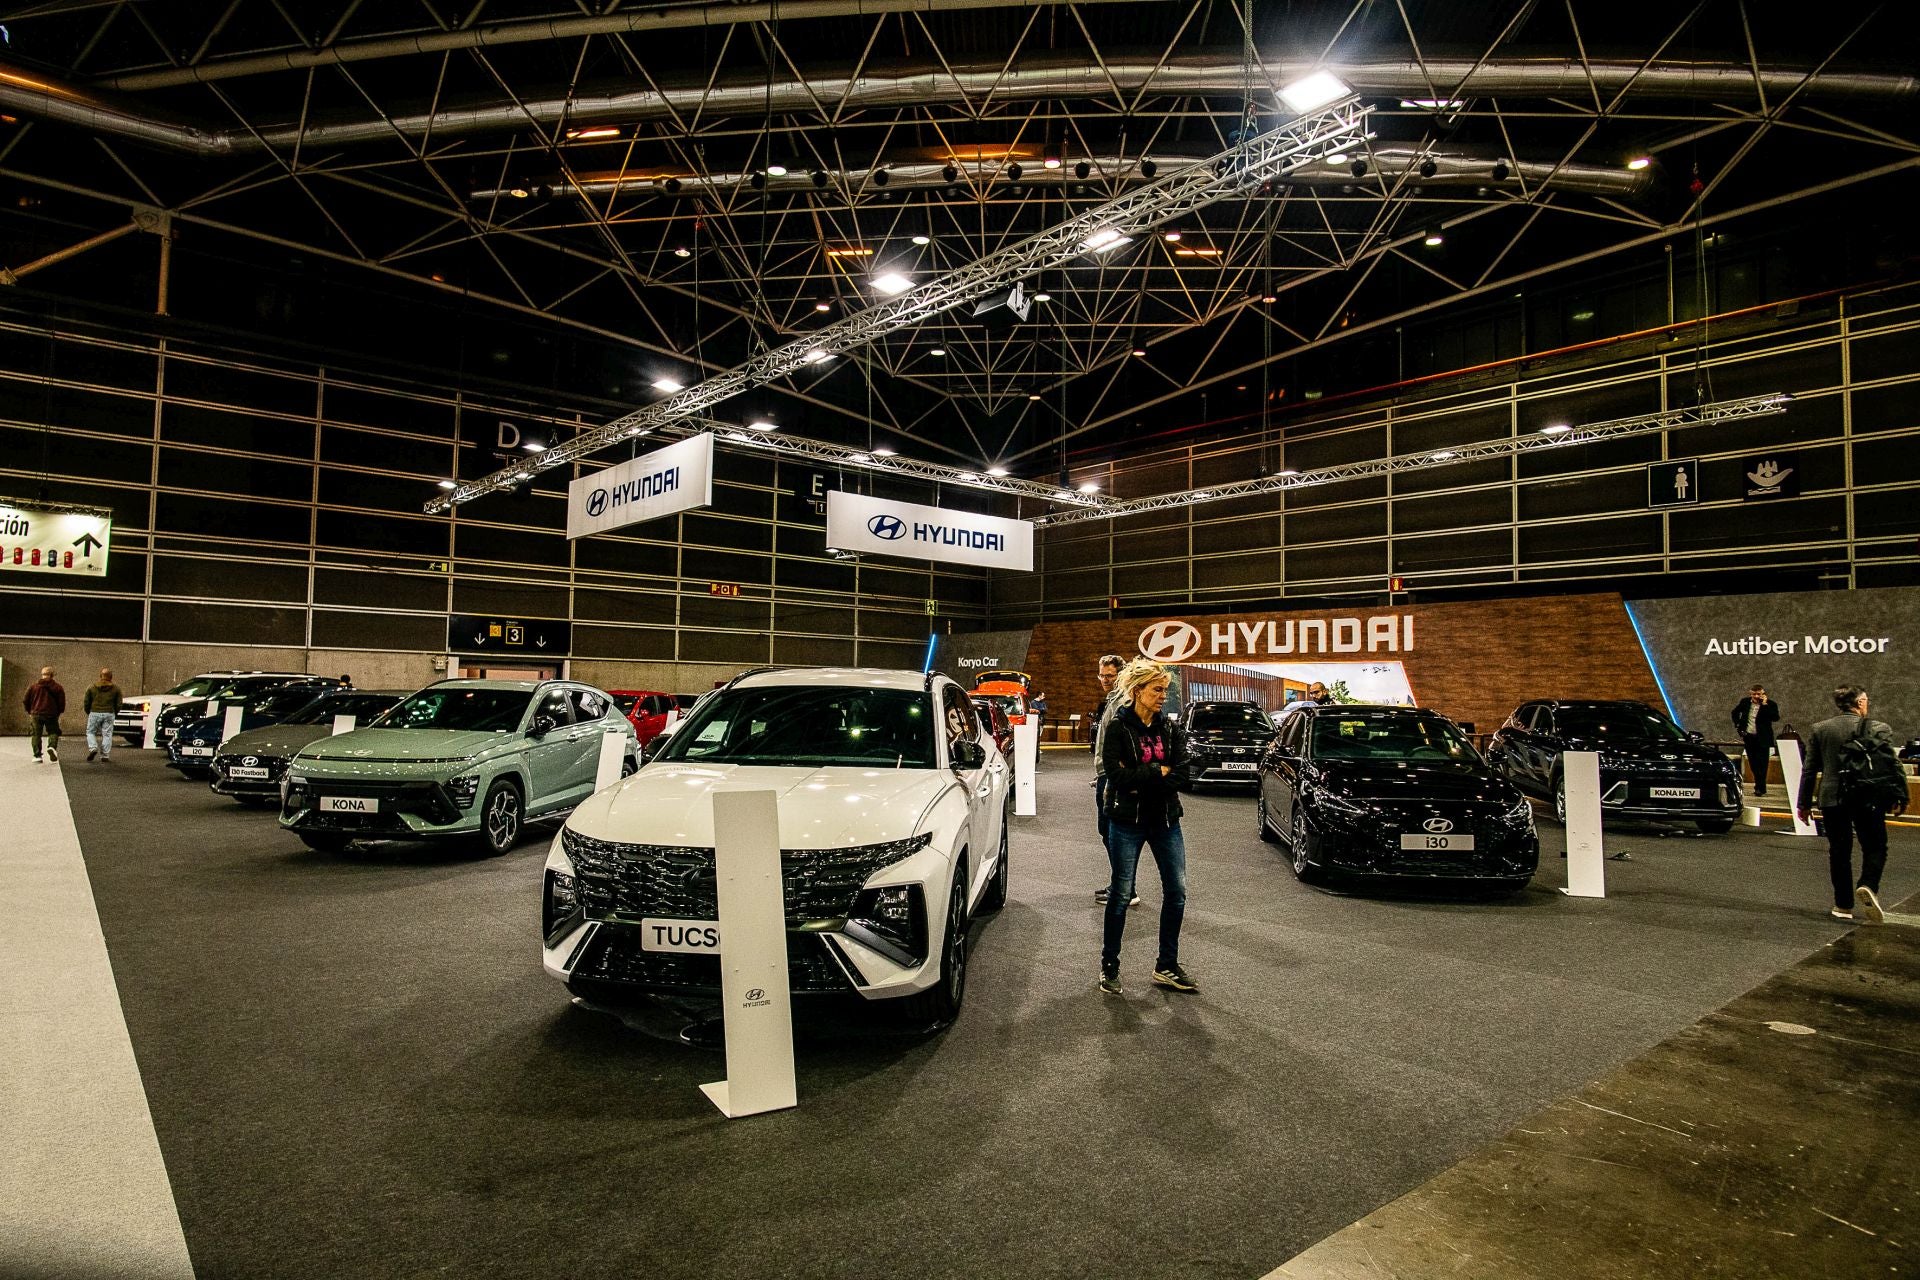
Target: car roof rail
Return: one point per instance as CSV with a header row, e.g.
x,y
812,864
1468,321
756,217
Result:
x,y
762,669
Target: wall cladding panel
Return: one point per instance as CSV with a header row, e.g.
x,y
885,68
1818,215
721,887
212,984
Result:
x,y
1262,534
646,643
1895,407
51,451
387,451
229,579
508,546
723,646
224,517
388,411
230,429
717,531
813,651
1453,551
354,531
375,590
225,384
508,599
1586,539
220,473
366,629
234,624
1337,524
704,566
739,613
624,606
1757,523
1356,560
1452,510
32,613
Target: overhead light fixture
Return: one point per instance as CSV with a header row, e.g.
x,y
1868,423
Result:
x,y
672,186
1089,487
449,484
1148,168
776,170
892,283
1358,168
1639,162
1140,351
519,193
949,174
849,251
938,351
762,426
683,252
1337,159
1043,297
997,472
823,306
814,356
1171,237
1500,170
818,177
1443,456
533,446
1433,238
1063,496
1082,170
1555,429
1289,471
1033,395
881,177
1311,92
1196,253
1014,171
859,458
1269,297
1051,160
883,452
1432,104
923,240
668,384
1105,240
1200,496
1429,167
597,131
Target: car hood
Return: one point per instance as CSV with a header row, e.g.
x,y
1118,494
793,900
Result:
x,y
405,746
820,808
1643,750
1416,780
1235,737
276,740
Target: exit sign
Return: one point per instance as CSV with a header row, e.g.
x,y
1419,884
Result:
x,y
723,588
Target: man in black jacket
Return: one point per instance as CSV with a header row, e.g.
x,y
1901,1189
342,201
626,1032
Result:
x,y
1142,754
1754,717
44,703
1844,818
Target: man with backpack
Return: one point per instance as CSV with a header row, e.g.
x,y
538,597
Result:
x,y
1860,780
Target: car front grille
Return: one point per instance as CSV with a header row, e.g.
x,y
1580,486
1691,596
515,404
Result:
x,y
614,956
635,881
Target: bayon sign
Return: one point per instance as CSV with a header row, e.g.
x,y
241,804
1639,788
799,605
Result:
x,y
1176,641
661,483
856,522
68,541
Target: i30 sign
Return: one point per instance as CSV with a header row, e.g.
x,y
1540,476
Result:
x,y
1176,641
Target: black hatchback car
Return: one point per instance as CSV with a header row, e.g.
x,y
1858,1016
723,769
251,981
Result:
x,y
191,744
1649,767
1392,792
1224,742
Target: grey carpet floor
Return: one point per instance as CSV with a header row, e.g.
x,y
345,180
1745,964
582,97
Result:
x,y
357,1068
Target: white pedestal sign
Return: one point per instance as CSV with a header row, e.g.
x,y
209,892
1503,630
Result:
x,y
613,754
1790,764
1586,861
236,716
1026,759
342,724
149,724
753,956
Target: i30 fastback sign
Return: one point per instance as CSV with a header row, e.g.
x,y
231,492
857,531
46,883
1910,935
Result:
x,y
856,522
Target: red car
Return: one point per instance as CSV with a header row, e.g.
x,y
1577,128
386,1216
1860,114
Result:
x,y
647,709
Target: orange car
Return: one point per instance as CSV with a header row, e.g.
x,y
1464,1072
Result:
x,y
1009,695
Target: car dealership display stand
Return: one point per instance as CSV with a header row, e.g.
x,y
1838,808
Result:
x,y
753,956
342,724
1586,860
149,725
236,716
613,751
1026,759
1790,762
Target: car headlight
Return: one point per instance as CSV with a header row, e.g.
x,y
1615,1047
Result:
x,y
891,920
559,904
463,789
1326,804
1519,813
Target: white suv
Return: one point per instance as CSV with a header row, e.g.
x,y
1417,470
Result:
x,y
893,833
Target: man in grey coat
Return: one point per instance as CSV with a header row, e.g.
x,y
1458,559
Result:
x,y
1853,900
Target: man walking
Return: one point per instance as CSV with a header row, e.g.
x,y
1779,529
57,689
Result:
x,y
1103,710
101,702
1846,818
1754,717
44,703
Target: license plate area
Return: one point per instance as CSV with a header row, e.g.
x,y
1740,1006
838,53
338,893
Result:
x,y
1437,844
1239,766
1674,793
196,751
347,804
687,937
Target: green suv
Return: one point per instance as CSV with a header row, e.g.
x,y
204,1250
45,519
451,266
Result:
x,y
467,758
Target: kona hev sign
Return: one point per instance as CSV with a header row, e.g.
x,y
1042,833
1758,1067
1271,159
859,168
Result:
x,y
856,522
662,483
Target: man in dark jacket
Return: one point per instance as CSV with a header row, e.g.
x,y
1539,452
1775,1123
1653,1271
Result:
x,y
101,703
1754,717
1844,819
1142,755
44,703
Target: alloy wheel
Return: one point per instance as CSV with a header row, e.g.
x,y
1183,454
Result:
x,y
503,818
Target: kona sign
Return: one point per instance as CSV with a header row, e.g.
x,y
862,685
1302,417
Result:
x,y
857,522
1175,641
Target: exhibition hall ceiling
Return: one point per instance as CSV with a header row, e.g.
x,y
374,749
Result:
x,y
698,184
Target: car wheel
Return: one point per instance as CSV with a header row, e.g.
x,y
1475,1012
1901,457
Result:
x,y
1297,838
1714,826
1267,832
1560,799
500,817
629,766
996,895
942,1003
325,841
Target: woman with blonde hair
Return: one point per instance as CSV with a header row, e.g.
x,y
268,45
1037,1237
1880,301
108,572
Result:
x,y
1141,755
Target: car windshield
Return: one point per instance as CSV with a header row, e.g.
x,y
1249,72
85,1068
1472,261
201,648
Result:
x,y
497,710
1237,715
806,726
323,709
200,686
281,703
1386,736
625,701
1005,701
1616,724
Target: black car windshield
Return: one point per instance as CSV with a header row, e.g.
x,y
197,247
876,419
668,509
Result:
x,y
278,704
322,710
1387,736
199,686
1616,724
498,710
805,726
1237,715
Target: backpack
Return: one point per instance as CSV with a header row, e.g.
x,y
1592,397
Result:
x,y
1869,772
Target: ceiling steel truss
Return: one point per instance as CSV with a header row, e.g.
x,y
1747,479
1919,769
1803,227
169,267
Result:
x,y
1107,226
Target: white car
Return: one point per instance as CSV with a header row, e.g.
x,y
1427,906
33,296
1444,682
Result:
x,y
893,833
130,724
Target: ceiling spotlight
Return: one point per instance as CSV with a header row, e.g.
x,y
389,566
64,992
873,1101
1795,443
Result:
x,y
891,283
776,170
683,252
1148,168
519,193
1199,496
1443,456
1033,395
761,426
1269,297
757,179
1089,487
881,177
996,472
668,384
1063,496
923,240
949,174
818,177
1311,92
1289,471
1358,168
1043,297
1337,159
938,351
672,185
1171,237
1428,167
883,452
449,484
1104,240
1082,170
1639,162
823,306
1051,160
814,356
1140,351
1556,429
1434,238
533,446
598,131
1014,171
1500,171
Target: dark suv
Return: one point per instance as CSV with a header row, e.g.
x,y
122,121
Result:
x,y
1649,767
1224,742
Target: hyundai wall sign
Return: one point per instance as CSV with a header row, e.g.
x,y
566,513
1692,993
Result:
x,y
856,522
662,483
63,542
1176,641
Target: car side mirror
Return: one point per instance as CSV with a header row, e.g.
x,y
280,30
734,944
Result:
x,y
653,747
1694,735
542,726
967,754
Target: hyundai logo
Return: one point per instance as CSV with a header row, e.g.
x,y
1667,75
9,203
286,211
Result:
x,y
888,527
1437,826
596,502
251,761
1170,641
756,993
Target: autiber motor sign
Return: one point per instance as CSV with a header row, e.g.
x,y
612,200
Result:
x,y
856,522
55,541
661,483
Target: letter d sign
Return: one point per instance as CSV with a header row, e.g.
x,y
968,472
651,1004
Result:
x,y
508,435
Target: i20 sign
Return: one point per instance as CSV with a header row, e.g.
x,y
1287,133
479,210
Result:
x,y
676,478
64,541
856,522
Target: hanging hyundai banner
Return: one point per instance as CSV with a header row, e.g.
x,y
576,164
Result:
x,y
676,478
856,522
65,541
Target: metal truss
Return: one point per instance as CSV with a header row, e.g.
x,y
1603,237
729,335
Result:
x,y
1105,227
1698,415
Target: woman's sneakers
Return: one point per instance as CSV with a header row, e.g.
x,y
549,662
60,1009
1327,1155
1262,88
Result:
x,y
1840,913
1174,978
1110,980
1867,907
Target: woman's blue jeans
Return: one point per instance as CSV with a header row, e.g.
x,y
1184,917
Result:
x,y
1124,840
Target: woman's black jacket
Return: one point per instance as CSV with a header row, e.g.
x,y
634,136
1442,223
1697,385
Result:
x,y
1137,792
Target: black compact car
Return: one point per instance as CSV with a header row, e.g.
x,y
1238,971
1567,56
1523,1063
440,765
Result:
x,y
250,764
1224,742
1649,767
190,747
240,689
1378,791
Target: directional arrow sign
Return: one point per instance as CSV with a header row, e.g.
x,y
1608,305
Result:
x,y
68,541
87,543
